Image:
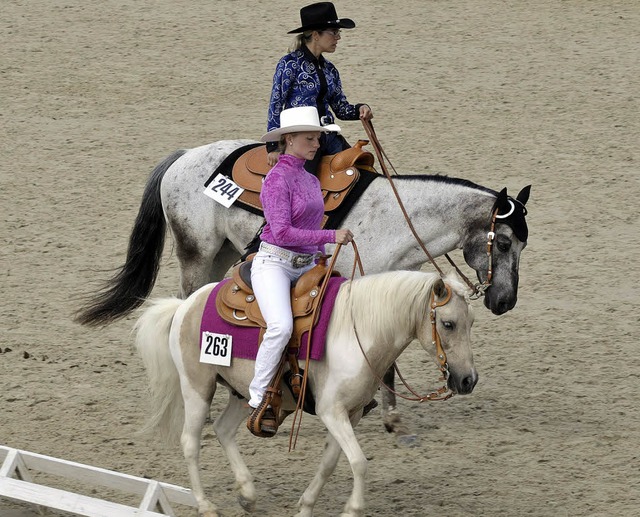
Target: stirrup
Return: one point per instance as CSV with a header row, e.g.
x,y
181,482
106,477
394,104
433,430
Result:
x,y
262,421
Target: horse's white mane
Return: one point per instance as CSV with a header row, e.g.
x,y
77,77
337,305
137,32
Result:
x,y
396,295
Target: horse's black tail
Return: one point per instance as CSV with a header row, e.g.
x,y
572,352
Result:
x,y
133,282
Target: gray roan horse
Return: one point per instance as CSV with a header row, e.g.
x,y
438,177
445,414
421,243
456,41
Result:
x,y
447,214
374,319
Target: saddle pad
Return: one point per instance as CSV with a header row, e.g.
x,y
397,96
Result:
x,y
245,339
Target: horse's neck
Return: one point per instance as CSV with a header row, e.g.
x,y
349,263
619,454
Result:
x,y
390,324
452,203
443,214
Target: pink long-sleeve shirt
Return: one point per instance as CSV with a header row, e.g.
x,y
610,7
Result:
x,y
293,207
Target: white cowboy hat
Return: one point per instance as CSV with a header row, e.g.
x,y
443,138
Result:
x,y
298,120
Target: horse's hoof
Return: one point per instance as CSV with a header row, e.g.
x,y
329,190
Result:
x,y
207,509
408,440
248,505
393,423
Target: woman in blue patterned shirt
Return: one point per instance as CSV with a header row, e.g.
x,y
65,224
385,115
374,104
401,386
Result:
x,y
305,78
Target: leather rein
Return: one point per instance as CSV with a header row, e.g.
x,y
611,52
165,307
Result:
x,y
442,393
479,289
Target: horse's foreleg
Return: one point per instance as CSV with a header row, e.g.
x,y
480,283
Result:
x,y
341,428
328,464
388,400
226,427
195,411
390,415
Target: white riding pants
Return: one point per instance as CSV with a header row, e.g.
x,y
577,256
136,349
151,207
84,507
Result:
x,y
271,278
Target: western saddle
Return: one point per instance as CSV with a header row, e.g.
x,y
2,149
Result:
x,y
337,173
237,304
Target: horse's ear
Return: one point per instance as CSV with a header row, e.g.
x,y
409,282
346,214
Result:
x,y
502,202
439,288
523,195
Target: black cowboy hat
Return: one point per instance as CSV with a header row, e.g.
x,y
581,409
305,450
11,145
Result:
x,y
321,15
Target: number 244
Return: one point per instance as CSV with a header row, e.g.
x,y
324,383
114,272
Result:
x,y
228,189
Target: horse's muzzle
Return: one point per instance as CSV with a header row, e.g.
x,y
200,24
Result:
x,y
462,385
499,307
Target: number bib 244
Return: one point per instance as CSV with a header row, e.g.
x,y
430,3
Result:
x,y
223,190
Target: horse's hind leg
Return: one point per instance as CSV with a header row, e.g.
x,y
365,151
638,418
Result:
x,y
196,410
226,427
201,264
225,258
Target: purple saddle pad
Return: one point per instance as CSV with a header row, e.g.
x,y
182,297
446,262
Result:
x,y
245,339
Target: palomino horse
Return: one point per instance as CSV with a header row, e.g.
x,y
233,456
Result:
x,y
374,319
447,214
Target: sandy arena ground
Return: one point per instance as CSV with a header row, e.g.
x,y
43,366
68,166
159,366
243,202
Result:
x,y
504,93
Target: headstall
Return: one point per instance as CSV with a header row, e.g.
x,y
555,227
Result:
x,y
478,290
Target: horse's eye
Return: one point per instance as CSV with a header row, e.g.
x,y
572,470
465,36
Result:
x,y
448,325
503,246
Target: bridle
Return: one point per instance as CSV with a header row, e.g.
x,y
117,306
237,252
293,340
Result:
x,y
478,290
442,393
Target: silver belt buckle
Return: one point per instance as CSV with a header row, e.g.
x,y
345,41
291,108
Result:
x,y
300,261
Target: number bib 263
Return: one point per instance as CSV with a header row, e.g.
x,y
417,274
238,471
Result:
x,y
216,349
223,190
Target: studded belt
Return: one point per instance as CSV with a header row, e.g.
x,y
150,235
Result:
x,y
297,260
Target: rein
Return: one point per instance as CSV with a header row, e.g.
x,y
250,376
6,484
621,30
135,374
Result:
x,y
478,289
442,393
293,436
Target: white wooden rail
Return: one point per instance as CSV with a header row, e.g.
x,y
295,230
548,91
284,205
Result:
x,y
17,483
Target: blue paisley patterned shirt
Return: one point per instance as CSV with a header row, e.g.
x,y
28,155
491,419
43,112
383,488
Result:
x,y
302,80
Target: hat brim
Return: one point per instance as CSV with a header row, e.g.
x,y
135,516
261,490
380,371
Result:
x,y
341,23
275,134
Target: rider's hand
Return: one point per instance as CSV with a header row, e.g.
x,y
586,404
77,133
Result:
x,y
365,112
272,158
343,236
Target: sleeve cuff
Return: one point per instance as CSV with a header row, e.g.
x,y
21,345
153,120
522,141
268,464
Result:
x,y
358,106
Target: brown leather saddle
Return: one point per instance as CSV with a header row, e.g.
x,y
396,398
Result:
x,y
338,174
237,304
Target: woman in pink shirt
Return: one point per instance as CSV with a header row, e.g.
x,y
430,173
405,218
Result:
x,y
290,241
